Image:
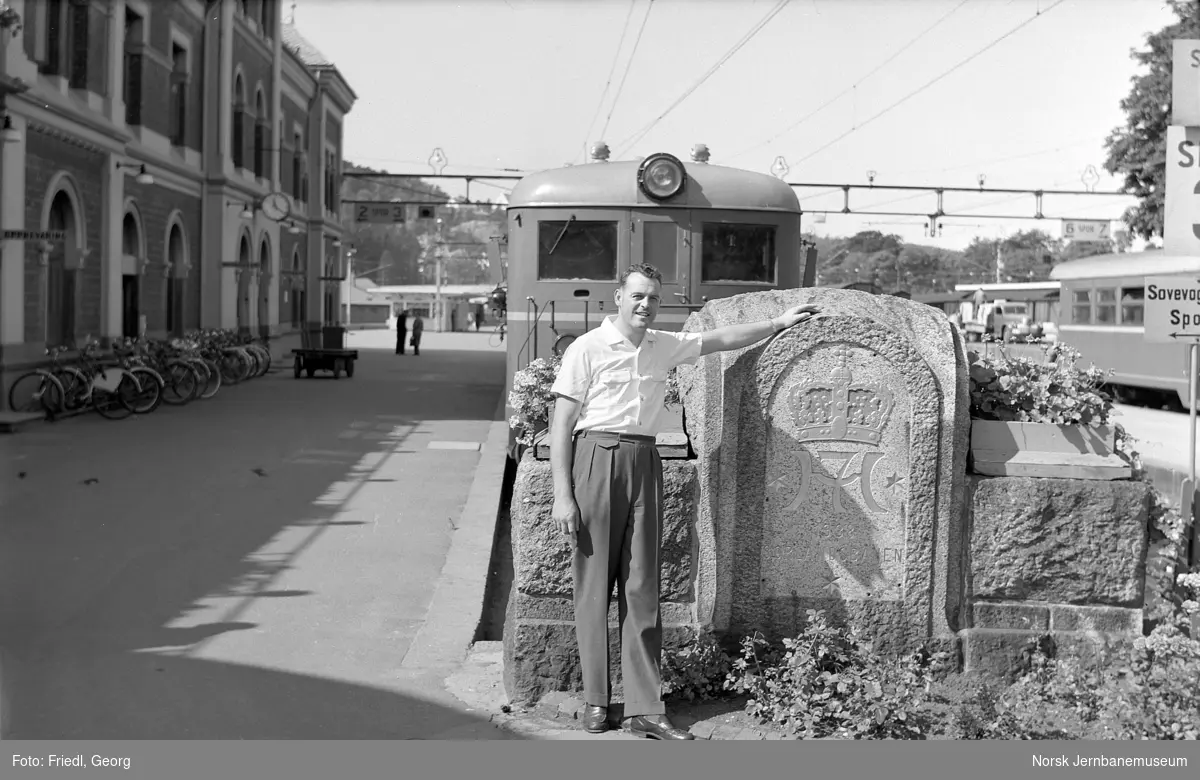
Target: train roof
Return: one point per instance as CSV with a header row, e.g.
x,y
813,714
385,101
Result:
x,y
1152,262
614,184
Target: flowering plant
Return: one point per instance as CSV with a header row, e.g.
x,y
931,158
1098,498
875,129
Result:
x,y
1053,390
9,18
530,397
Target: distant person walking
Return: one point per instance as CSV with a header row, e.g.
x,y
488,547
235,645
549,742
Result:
x,y
478,316
401,330
417,328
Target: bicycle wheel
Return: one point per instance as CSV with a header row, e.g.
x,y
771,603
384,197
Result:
x,y
75,387
182,381
117,404
36,391
213,381
149,393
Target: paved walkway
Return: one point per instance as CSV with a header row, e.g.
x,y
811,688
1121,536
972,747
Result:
x,y
261,565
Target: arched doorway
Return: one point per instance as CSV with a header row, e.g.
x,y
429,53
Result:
x,y
176,281
61,278
131,266
243,286
264,289
299,286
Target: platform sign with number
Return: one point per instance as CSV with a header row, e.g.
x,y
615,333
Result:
x,y
1172,312
1181,218
1087,229
379,213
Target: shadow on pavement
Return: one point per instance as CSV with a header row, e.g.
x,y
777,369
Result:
x,y
253,566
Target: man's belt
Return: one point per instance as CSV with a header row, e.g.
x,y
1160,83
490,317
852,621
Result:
x,y
611,436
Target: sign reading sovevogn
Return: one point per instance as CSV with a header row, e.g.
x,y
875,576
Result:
x,y
1172,311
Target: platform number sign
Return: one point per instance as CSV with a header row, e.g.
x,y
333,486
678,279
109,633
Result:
x,y
379,213
1181,221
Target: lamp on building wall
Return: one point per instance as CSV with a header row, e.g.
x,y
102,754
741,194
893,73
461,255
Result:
x,y
293,228
143,176
10,134
337,242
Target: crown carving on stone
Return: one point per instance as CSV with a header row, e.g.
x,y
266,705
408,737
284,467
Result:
x,y
837,409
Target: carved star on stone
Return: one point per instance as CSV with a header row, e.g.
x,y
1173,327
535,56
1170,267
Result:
x,y
831,580
894,481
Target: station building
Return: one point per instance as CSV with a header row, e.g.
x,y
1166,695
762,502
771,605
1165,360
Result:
x,y
166,165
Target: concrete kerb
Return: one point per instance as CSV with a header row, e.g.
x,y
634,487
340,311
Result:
x,y
457,606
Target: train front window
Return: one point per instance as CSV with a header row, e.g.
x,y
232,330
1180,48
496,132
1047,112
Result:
x,y
574,249
1106,306
1081,307
738,253
1133,302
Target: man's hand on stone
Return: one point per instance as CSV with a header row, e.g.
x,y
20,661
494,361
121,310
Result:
x,y
794,316
565,515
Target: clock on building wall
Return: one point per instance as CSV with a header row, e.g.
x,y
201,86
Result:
x,y
276,206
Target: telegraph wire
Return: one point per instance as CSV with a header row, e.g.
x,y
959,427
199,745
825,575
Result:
x,y
611,71
930,83
637,136
854,86
628,67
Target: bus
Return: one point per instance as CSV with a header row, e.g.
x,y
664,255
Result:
x,y
1103,303
711,230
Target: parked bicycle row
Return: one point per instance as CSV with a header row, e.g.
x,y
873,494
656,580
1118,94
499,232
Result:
x,y
139,375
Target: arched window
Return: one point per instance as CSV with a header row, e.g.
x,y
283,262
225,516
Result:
x,y
261,130
60,282
176,281
238,140
131,266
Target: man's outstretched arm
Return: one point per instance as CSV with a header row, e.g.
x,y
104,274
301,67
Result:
x,y
743,335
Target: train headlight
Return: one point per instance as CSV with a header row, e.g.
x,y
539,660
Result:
x,y
661,176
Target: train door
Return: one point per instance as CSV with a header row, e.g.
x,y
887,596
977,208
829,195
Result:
x,y
662,238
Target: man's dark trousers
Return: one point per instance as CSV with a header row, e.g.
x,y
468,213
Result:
x,y
618,487
400,334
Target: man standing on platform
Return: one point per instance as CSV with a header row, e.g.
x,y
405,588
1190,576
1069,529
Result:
x,y
608,486
401,330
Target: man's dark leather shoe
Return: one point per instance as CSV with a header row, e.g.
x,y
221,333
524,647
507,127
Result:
x,y
595,719
656,727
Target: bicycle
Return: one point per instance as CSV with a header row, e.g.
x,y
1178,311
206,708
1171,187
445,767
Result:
x,y
39,389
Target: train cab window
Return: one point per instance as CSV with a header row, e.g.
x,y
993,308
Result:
x,y
1133,302
1106,306
738,253
1081,307
574,249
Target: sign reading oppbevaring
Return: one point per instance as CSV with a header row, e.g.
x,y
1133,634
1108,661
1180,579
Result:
x,y
35,235
1185,83
379,213
1181,220
1087,229
1172,309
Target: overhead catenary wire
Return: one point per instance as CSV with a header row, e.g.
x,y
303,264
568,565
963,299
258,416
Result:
x,y
933,81
628,67
637,136
854,86
612,69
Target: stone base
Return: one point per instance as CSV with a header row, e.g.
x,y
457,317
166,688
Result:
x,y
542,657
1004,654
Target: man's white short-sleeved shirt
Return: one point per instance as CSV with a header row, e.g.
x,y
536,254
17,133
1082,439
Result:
x,y
622,387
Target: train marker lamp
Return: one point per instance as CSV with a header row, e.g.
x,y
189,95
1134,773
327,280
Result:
x,y
661,176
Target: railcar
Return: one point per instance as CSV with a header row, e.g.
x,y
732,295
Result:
x,y
1101,315
712,231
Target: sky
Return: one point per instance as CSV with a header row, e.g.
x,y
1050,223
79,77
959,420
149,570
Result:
x,y
922,92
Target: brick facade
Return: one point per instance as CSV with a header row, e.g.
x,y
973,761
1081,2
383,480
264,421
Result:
x,y
51,153
156,205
